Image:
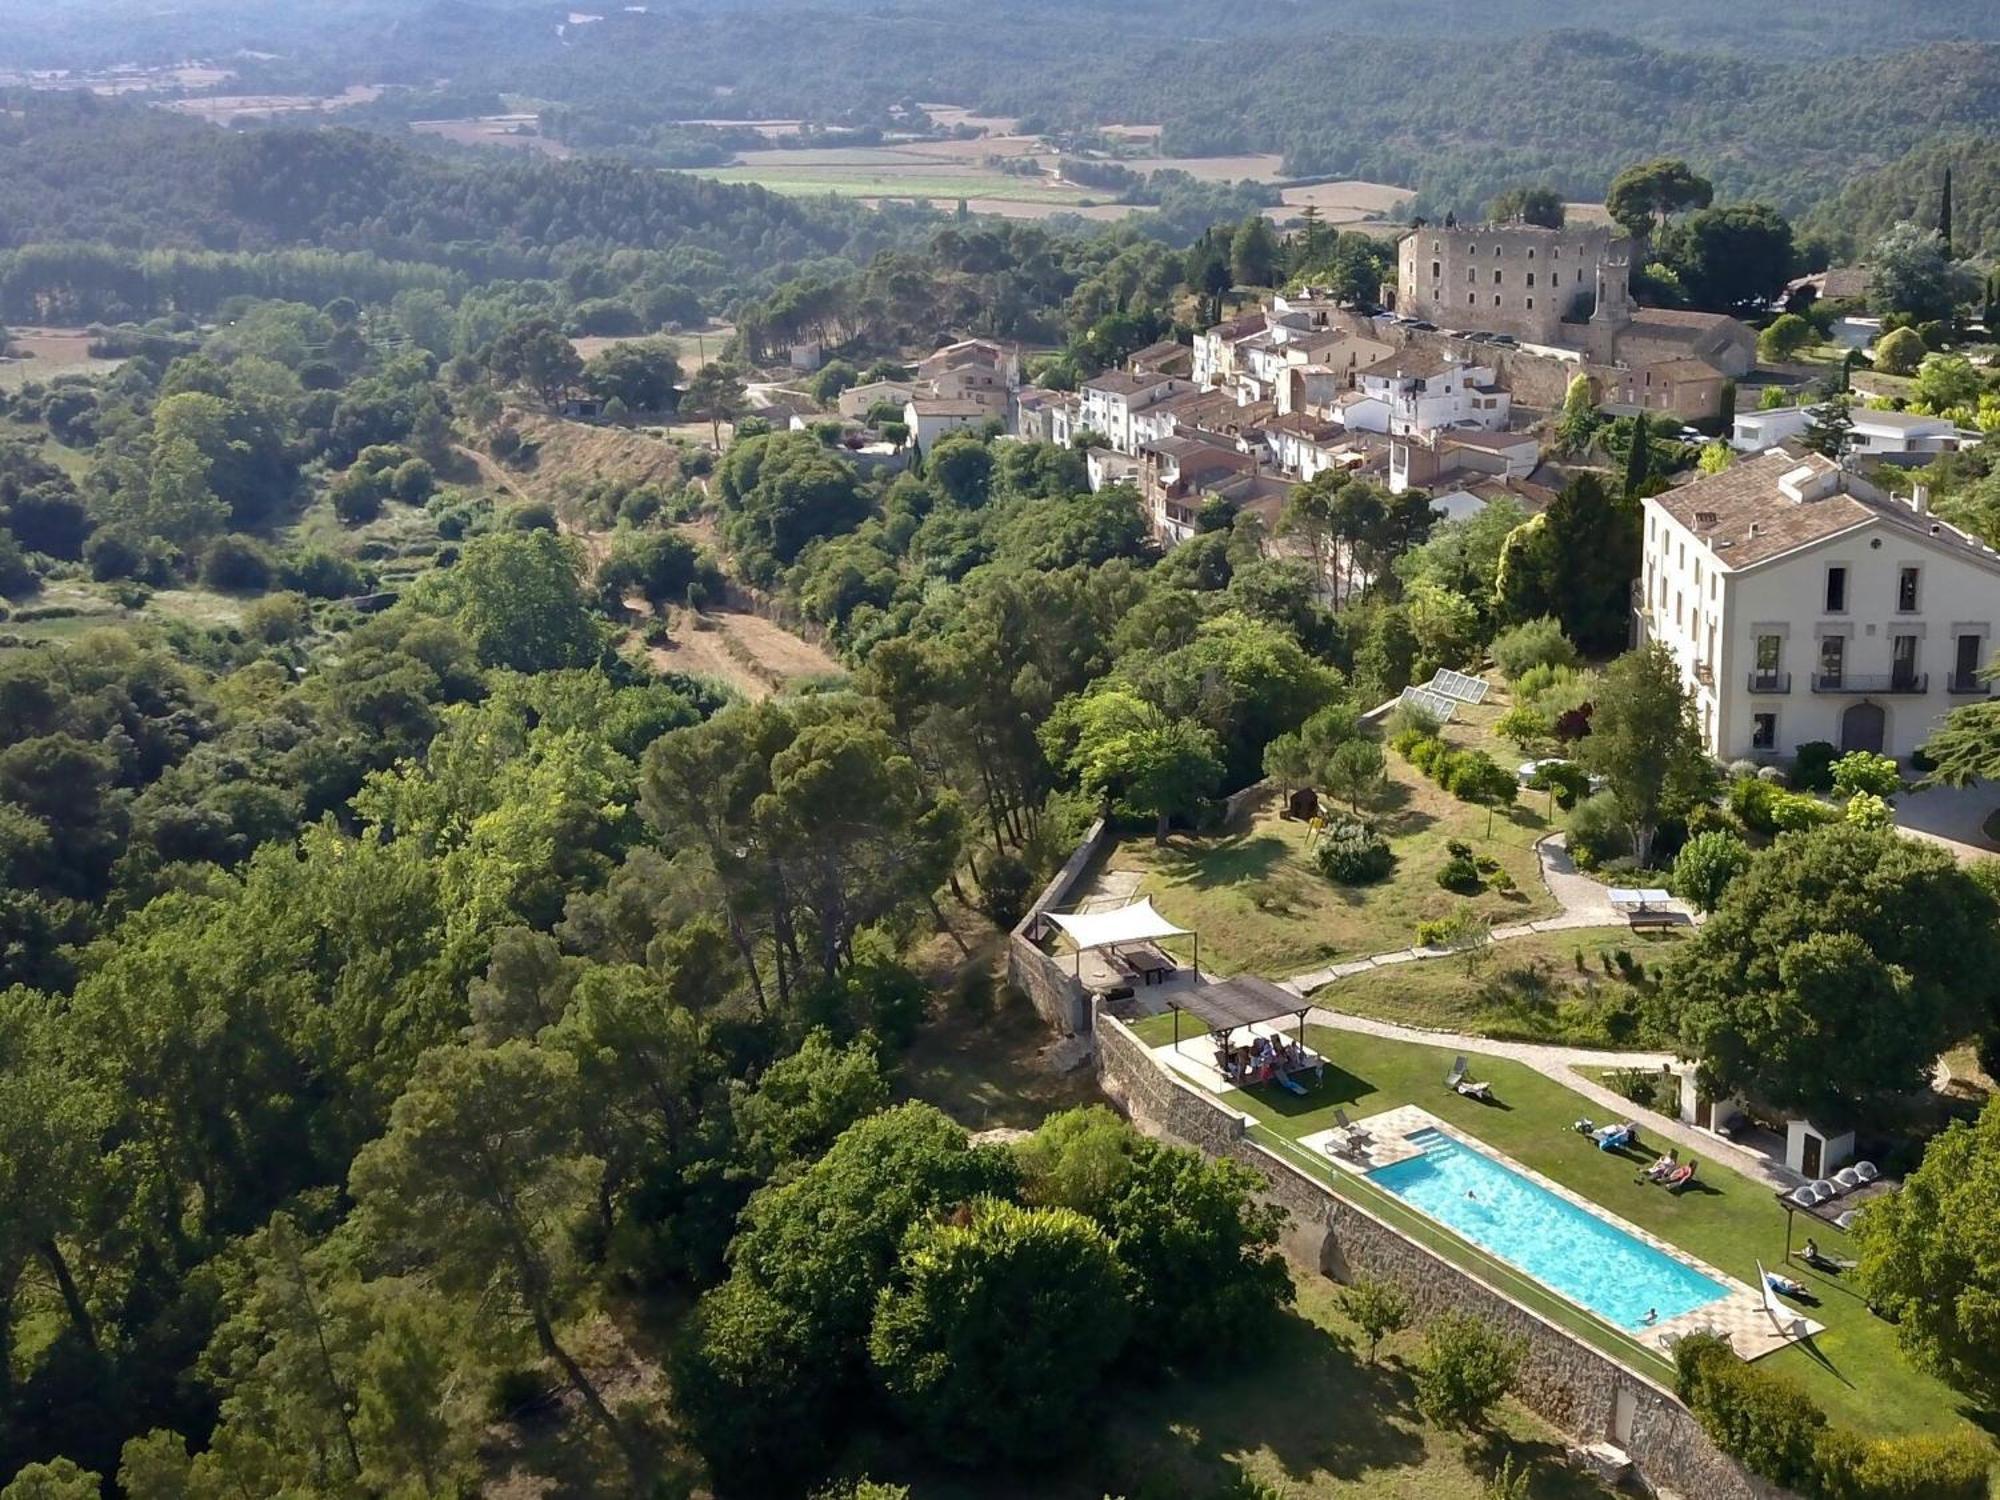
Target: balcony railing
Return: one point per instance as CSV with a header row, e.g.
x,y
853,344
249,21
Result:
x,y
1961,686
1871,682
1704,674
1770,682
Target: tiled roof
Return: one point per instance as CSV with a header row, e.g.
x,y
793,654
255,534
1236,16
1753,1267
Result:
x,y
1744,518
1411,363
1240,327
1684,369
1122,382
930,406
1490,442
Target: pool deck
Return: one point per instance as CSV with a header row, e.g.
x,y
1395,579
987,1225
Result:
x,y
1739,1315
1381,1140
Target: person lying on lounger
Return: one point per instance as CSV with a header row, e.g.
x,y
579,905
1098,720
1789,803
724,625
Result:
x,y
1784,1286
1661,1166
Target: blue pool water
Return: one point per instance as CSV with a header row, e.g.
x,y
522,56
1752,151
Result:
x,y
1587,1259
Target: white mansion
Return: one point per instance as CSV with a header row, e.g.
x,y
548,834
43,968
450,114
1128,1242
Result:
x,y
1804,603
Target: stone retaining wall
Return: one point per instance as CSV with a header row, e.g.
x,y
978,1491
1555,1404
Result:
x,y
1569,1383
1054,992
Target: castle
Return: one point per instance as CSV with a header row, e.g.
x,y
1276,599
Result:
x,y
1567,288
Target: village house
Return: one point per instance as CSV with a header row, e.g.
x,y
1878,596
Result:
x,y
1890,435
1688,389
1112,400
1164,358
930,417
1422,389
1001,363
857,401
1036,414
1804,603
1434,459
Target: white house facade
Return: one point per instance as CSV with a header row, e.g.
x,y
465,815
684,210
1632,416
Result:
x,y
1803,604
1110,402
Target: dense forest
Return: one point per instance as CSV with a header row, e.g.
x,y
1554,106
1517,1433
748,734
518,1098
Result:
x,y
1456,105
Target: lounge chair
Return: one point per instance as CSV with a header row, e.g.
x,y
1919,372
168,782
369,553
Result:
x,y
1348,1128
1615,1137
1681,1177
1458,1083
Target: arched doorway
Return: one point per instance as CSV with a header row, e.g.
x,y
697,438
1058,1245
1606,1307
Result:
x,y
1863,727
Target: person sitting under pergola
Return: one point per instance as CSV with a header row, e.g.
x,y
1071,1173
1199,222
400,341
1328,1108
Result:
x,y
1228,1005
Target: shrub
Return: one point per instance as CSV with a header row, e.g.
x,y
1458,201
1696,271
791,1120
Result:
x,y
1914,1466
1350,852
1426,753
1595,831
1899,352
1867,810
276,618
412,481
1764,1421
1812,767
1524,726
236,564
531,515
1533,643
1565,778
1477,777
1004,888
357,496
1706,864
1408,716
1792,811
1752,802
1459,874
1865,771
1467,1366
1458,848
1739,770
321,575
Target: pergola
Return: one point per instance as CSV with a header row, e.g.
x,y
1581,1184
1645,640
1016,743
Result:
x,y
1243,1001
1138,922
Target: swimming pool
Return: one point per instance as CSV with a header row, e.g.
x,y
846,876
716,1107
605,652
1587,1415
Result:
x,y
1586,1258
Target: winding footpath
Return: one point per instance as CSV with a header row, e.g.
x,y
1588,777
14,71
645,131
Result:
x,y
1584,904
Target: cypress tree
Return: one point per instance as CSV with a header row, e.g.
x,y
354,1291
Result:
x,y
1639,461
1944,212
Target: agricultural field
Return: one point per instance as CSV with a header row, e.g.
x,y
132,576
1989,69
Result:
x,y
507,132
42,353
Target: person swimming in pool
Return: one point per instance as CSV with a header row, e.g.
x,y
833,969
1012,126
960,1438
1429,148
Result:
x,y
1652,1317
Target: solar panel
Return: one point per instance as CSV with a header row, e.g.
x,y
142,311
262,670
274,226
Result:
x,y
1434,704
1466,689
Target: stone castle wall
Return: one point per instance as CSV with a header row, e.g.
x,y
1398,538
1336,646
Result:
x,y
1566,1381
1054,992
1500,278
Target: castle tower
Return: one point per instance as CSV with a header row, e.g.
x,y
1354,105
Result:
x,y
1613,310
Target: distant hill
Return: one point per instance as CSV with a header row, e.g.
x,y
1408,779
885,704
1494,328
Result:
x,y
1909,188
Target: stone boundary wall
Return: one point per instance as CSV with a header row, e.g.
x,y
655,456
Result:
x,y
1058,999
1567,1382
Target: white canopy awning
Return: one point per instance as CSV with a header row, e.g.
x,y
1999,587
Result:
x,y
1645,896
1125,924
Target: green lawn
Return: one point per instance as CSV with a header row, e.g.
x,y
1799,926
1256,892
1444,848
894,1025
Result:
x,y
1526,989
1260,903
1854,1369
1303,1418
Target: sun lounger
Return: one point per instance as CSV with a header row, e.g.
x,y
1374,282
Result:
x,y
1458,1083
1347,1127
1614,1137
